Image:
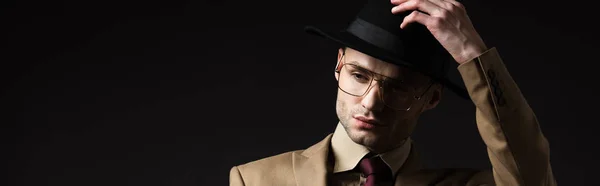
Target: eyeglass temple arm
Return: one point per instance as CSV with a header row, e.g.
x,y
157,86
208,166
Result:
x,y
428,87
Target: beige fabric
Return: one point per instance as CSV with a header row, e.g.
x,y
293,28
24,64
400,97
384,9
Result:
x,y
517,149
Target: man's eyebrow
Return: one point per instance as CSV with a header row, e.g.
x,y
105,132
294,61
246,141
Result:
x,y
359,65
392,79
355,63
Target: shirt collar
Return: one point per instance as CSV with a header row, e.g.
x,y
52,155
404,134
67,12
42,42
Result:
x,y
348,154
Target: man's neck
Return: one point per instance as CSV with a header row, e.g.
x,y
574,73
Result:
x,y
348,153
386,147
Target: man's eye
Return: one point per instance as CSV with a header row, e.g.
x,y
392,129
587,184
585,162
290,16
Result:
x,y
359,76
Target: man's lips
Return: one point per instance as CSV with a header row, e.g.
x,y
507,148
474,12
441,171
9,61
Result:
x,y
365,122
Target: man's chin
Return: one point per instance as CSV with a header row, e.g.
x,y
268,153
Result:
x,y
364,137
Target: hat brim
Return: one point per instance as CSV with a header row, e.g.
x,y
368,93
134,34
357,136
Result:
x,y
347,39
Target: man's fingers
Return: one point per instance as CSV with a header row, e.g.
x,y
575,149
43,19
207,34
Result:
x,y
422,5
444,4
415,16
396,2
451,12
457,5
432,23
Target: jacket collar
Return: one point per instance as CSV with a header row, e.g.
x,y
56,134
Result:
x,y
311,165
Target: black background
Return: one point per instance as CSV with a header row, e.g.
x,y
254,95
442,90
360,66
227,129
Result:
x,y
178,92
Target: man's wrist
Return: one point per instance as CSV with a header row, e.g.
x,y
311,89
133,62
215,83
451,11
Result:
x,y
471,53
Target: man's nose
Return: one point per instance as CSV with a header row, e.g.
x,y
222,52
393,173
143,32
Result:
x,y
372,98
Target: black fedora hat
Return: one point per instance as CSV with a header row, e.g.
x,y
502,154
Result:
x,y
375,31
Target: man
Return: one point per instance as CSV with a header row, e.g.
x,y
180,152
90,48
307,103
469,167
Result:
x,y
390,70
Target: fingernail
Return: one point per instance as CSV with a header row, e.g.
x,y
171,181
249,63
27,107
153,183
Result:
x,y
394,9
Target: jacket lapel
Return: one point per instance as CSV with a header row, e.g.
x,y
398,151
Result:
x,y
412,164
310,165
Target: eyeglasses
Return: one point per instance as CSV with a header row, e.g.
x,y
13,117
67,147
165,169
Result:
x,y
357,81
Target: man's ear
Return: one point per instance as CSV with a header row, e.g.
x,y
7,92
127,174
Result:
x,y
434,97
339,58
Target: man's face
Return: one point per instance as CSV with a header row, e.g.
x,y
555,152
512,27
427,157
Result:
x,y
367,119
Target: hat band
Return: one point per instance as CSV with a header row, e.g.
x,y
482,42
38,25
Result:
x,y
375,35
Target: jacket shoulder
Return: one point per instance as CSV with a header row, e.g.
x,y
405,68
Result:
x,y
281,160
272,170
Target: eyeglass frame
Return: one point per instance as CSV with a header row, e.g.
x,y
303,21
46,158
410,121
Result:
x,y
338,69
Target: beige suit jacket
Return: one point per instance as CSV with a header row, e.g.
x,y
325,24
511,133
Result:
x,y
517,149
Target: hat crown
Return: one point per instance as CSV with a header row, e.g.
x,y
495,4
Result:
x,y
415,43
379,13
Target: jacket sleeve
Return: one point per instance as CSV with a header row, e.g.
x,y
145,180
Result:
x,y
235,177
517,149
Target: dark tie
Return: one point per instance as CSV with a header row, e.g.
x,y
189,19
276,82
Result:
x,y
375,170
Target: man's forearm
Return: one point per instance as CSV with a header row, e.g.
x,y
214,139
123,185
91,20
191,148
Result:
x,y
517,149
